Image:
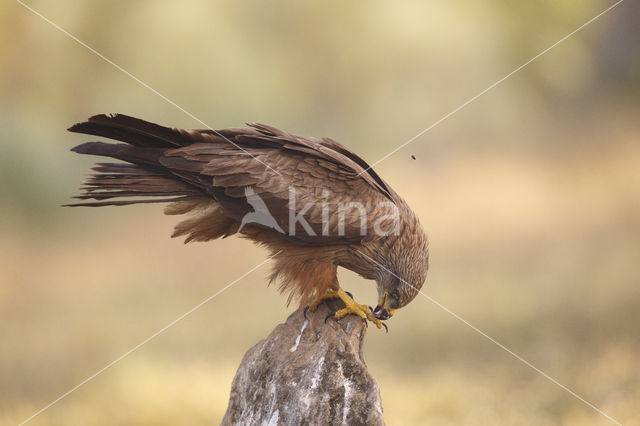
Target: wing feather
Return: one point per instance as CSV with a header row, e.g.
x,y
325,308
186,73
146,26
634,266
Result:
x,y
322,174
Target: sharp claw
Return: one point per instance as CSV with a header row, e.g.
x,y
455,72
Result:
x,y
332,314
370,308
385,327
306,308
349,294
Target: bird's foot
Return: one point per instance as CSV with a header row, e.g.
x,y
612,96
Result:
x,y
351,307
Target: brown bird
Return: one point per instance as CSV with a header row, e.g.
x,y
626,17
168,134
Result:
x,y
312,201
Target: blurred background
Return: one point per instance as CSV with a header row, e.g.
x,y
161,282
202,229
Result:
x,y
530,196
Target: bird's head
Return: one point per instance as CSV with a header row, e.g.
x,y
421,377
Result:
x,y
399,283
396,290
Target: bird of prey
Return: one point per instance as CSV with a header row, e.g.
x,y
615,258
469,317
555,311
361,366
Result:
x,y
313,201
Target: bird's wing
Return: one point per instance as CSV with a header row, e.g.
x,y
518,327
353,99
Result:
x,y
332,202
329,183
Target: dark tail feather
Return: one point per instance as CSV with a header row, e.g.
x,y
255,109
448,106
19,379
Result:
x,y
129,202
114,181
131,130
146,157
143,179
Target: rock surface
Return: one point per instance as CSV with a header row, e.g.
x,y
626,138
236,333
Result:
x,y
306,372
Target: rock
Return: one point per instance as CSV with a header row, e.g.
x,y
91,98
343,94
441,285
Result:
x,y
306,372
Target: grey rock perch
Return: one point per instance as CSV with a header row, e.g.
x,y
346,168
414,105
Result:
x,y
306,372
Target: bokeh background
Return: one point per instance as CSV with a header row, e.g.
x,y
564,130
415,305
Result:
x,y
530,196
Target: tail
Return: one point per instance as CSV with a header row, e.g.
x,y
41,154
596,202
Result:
x,y
141,179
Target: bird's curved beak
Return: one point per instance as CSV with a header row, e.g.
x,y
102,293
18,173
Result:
x,y
382,311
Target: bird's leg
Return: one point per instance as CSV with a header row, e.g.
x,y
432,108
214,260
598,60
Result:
x,y
330,294
351,307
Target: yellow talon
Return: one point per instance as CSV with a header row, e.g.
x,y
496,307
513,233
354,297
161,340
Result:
x,y
351,307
